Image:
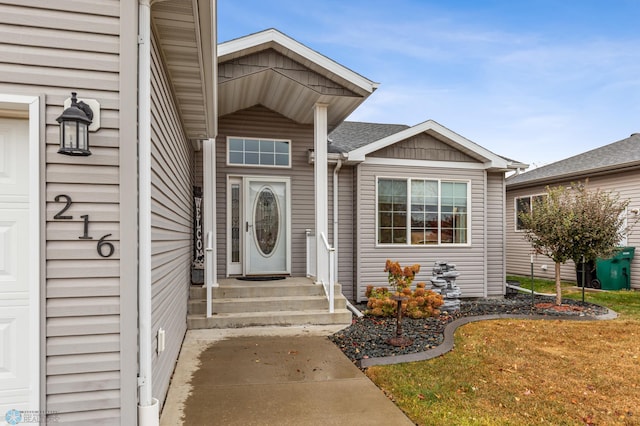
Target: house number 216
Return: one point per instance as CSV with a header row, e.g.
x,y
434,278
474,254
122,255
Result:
x,y
104,248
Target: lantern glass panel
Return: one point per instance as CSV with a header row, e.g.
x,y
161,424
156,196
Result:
x,y
69,134
83,137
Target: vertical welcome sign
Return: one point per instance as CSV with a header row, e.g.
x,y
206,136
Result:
x,y
198,244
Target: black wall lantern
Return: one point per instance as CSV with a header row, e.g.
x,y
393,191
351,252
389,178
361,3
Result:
x,y
74,128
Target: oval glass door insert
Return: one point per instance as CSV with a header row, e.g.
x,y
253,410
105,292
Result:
x,y
266,221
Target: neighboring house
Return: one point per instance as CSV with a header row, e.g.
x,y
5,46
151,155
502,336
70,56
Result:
x,y
77,320
614,168
97,250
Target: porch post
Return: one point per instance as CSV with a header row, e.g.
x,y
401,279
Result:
x,y
209,217
321,192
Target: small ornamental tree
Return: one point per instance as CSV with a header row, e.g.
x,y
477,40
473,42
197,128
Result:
x,y
420,303
573,222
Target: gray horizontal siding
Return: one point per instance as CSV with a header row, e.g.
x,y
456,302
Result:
x,y
82,363
346,233
93,401
84,382
69,345
58,39
627,185
495,234
82,418
42,45
82,268
470,260
61,231
171,225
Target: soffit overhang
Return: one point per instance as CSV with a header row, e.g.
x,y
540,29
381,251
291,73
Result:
x,y
185,31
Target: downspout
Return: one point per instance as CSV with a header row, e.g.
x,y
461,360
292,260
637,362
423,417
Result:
x,y
148,407
336,170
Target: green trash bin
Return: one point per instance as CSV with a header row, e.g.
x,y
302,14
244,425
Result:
x,y
615,273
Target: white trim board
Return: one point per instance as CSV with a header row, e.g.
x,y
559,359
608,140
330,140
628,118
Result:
x,y
424,163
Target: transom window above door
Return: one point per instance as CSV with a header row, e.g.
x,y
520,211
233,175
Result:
x,y
258,152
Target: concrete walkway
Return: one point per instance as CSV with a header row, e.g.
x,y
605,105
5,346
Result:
x,y
272,376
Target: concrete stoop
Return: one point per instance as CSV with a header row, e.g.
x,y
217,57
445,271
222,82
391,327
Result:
x,y
293,301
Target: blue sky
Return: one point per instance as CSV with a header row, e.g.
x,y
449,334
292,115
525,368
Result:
x,y
532,80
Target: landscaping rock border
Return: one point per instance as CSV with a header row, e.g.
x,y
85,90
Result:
x,y
363,341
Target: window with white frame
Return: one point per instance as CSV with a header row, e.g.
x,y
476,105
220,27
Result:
x,y
258,152
525,205
422,211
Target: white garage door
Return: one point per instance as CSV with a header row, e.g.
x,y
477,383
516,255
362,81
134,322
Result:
x,y
18,387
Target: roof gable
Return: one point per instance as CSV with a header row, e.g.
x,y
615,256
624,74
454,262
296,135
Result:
x,y
610,158
471,150
289,47
271,69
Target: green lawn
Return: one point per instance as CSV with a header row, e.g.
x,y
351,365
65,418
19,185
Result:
x,y
516,372
624,302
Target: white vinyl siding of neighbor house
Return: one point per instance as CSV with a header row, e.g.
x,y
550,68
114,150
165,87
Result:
x,y
50,50
496,238
260,122
469,258
171,224
626,184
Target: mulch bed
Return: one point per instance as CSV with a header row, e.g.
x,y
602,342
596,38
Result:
x,y
366,336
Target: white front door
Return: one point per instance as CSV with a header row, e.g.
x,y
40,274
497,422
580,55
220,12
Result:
x,y
267,239
19,354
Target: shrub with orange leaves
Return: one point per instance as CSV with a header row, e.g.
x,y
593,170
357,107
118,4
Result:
x,y
420,303
398,277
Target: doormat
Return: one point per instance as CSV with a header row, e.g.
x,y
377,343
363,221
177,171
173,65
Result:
x,y
261,278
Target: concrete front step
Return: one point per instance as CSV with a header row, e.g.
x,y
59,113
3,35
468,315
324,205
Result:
x,y
270,318
261,290
265,304
292,301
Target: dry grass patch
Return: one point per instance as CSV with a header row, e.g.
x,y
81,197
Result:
x,y
512,372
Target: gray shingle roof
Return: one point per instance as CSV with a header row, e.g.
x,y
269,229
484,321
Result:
x,y
612,157
351,135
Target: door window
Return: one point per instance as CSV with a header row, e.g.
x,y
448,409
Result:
x,y
266,221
